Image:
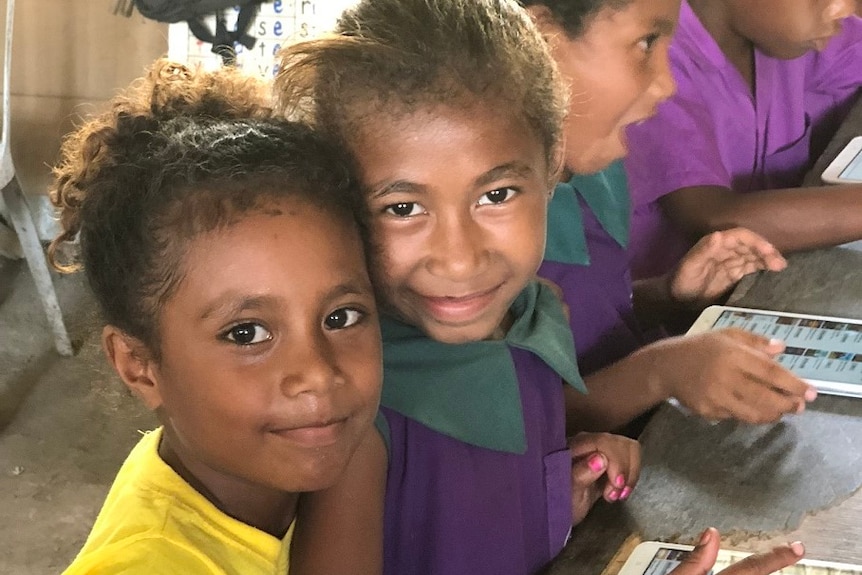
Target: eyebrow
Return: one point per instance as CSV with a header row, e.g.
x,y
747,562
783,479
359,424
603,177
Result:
x,y
229,305
664,26
512,169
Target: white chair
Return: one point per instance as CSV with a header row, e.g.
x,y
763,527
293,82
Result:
x,y
19,214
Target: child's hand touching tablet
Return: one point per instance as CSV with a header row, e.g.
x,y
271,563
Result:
x,y
603,465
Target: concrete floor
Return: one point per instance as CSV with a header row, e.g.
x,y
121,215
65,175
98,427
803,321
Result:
x,y
66,424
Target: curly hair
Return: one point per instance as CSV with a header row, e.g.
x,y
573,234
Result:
x,y
575,16
392,56
181,152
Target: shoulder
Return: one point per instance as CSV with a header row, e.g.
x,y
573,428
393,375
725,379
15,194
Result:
x,y
147,555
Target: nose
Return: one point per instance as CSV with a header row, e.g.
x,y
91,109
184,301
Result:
x,y
456,248
310,367
840,9
663,85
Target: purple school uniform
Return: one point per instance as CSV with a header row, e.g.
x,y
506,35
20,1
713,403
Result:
x,y
479,477
585,255
714,132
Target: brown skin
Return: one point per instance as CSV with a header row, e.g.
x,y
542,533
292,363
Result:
x,y
701,560
792,219
268,379
619,73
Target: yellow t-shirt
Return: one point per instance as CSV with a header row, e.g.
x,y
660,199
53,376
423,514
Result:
x,y
153,523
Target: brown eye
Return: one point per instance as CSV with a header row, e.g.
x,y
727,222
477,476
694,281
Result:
x,y
247,334
404,209
343,318
497,196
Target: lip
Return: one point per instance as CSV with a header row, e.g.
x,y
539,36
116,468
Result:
x,y
315,435
459,310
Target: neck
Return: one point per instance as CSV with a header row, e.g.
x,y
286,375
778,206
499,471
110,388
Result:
x,y
717,18
265,508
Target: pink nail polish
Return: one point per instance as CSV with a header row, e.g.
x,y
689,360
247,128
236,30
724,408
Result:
x,y
626,492
596,462
614,495
619,481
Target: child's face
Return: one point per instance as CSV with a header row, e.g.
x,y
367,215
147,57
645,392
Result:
x,y
618,72
270,370
459,206
789,28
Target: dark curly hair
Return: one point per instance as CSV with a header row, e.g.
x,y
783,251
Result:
x,y
392,56
180,153
575,16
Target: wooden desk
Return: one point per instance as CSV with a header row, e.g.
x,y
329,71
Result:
x,y
761,485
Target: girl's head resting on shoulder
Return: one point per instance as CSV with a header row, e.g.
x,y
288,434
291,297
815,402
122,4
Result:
x,y
784,29
613,54
453,111
222,246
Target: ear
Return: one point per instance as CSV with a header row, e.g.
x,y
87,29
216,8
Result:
x,y
134,364
544,20
557,169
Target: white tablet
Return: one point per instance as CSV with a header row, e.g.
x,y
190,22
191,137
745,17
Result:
x,y
656,558
825,351
846,168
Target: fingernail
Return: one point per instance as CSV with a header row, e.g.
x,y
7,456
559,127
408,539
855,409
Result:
x,y
614,495
626,492
774,341
705,537
798,548
596,462
619,481
810,394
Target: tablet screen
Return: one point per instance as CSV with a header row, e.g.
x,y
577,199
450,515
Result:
x,y
853,171
821,350
666,559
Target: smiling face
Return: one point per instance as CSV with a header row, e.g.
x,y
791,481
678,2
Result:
x,y
618,73
270,364
788,28
458,202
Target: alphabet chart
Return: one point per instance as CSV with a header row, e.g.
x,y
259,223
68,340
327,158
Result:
x,y
277,23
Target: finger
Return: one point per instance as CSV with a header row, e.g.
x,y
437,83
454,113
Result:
x,y
702,558
585,443
770,562
588,470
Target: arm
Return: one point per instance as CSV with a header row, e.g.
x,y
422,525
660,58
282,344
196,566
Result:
x,y
792,219
709,269
340,529
720,374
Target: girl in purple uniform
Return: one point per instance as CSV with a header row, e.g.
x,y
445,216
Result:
x,y
614,56
453,110
761,88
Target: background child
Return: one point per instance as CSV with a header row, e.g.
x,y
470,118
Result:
x,y
223,250
614,56
453,110
762,86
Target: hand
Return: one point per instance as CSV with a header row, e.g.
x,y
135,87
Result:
x,y
603,465
718,261
731,373
701,560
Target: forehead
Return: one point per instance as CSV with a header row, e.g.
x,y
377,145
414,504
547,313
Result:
x,y
658,15
418,143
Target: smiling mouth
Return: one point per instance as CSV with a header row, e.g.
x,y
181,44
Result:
x,y
459,309
315,435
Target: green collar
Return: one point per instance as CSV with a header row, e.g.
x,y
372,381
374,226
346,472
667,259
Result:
x,y
607,195
470,391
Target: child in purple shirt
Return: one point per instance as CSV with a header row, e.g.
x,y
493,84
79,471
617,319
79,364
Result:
x,y
761,88
452,110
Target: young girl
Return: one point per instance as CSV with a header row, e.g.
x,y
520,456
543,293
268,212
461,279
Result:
x,y
453,110
762,86
614,56
223,250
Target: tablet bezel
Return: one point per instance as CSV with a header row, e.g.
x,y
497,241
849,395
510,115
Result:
x,y
852,151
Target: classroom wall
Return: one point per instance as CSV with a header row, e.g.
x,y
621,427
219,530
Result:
x,y
68,58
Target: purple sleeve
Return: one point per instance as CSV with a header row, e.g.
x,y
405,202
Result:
x,y
677,148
